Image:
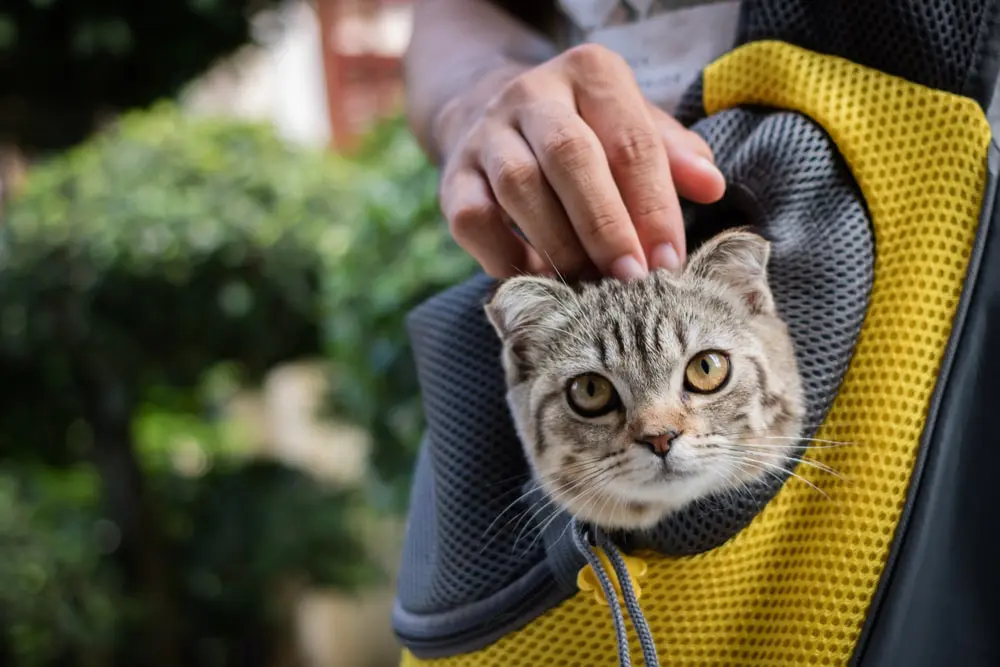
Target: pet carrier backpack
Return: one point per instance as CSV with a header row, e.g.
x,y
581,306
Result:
x,y
857,137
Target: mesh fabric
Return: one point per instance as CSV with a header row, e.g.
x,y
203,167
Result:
x,y
472,467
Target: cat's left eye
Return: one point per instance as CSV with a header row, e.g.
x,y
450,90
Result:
x,y
592,395
706,372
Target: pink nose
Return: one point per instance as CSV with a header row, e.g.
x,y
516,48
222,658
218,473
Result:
x,y
660,443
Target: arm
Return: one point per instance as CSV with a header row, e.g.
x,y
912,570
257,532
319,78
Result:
x,y
458,45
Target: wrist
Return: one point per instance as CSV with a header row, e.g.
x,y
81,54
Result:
x,y
455,117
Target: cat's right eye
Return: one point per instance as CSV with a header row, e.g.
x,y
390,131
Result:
x,y
707,372
592,396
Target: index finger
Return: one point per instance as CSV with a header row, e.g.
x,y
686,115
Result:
x,y
611,103
574,164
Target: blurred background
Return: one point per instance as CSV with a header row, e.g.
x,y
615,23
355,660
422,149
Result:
x,y
213,222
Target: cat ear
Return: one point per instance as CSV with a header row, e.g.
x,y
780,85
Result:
x,y
737,259
524,301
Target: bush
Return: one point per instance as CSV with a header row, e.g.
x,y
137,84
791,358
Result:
x,y
398,255
131,270
54,594
158,249
143,277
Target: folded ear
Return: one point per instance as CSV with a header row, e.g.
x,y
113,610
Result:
x,y
523,302
738,260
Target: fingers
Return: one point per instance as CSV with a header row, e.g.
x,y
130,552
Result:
x,y
575,166
614,107
524,192
477,224
586,168
691,162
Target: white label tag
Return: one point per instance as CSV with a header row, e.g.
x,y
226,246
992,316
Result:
x,y
668,50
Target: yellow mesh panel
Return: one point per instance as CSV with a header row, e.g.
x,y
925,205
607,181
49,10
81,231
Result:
x,y
794,587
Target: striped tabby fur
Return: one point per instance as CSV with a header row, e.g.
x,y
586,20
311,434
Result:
x,y
664,445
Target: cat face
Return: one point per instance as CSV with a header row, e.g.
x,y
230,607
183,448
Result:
x,y
634,399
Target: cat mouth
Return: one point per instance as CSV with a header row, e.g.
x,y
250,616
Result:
x,y
665,471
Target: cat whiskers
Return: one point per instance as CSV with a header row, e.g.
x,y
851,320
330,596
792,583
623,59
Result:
x,y
586,497
581,466
594,484
734,485
756,449
758,435
768,433
591,471
762,449
565,309
507,480
770,468
587,501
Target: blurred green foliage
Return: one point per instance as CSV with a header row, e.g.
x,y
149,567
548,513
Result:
x,y
54,594
399,254
154,251
145,277
65,64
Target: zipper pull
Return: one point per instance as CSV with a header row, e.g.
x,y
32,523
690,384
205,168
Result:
x,y
586,578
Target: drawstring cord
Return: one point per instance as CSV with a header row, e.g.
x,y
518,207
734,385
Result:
x,y
580,538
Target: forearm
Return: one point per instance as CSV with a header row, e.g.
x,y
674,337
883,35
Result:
x,y
462,46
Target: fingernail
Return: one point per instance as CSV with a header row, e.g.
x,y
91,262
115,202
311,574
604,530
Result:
x,y
708,166
627,267
665,257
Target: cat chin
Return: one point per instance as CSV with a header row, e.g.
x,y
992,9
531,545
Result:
x,y
612,510
640,506
628,514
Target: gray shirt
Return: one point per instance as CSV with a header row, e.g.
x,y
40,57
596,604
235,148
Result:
x,y
667,42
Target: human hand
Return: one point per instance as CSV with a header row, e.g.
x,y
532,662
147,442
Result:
x,y
573,154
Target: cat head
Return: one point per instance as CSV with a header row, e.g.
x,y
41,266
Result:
x,y
633,399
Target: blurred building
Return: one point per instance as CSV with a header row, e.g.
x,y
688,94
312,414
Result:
x,y
323,71
363,43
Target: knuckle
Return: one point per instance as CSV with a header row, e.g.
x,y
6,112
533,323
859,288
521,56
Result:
x,y
633,148
466,218
550,111
514,175
566,147
601,225
651,205
591,58
515,92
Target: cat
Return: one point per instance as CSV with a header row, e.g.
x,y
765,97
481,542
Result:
x,y
634,399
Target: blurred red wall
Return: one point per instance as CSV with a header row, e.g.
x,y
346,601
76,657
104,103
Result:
x,y
365,85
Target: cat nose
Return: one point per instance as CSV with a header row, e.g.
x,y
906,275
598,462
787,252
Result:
x,y
660,443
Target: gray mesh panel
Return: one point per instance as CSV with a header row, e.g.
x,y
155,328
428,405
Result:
x,y
474,456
